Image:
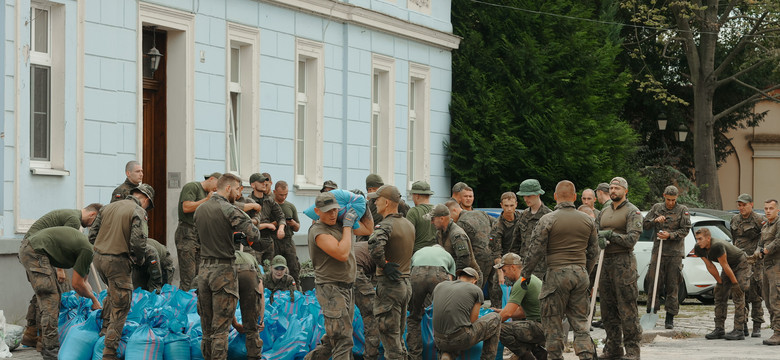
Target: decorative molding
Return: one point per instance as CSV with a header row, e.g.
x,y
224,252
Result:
x,y
49,171
765,150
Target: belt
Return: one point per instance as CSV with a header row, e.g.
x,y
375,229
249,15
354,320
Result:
x,y
216,261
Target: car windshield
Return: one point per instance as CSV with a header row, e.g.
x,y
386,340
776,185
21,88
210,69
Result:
x,y
718,229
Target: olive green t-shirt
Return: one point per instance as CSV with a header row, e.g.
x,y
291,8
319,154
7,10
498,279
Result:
x,y
290,212
424,232
66,247
62,217
452,304
718,247
528,299
192,191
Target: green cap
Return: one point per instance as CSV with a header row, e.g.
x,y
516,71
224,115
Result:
x,y
388,192
438,210
328,185
530,187
278,260
619,181
326,201
374,181
470,271
216,175
509,259
147,190
603,187
421,187
257,177
745,198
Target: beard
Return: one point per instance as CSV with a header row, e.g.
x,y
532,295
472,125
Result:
x,y
616,197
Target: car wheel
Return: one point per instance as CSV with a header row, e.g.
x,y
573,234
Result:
x,y
706,300
682,292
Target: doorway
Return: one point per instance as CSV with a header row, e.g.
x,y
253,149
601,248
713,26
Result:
x,y
155,130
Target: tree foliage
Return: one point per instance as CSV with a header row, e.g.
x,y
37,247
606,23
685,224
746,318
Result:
x,y
536,96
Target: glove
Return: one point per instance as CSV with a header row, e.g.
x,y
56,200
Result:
x,y
391,271
524,283
349,218
604,236
240,238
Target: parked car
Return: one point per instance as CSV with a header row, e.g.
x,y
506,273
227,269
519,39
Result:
x,y
696,281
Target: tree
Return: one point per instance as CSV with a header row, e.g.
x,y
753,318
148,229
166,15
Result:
x,y
536,96
724,44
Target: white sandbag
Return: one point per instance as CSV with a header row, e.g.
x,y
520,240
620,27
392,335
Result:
x,y
5,352
13,336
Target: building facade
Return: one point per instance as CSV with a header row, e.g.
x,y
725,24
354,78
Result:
x,y
306,90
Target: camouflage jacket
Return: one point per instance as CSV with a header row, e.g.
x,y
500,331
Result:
x,y
123,190
677,223
456,242
502,235
476,224
747,232
525,227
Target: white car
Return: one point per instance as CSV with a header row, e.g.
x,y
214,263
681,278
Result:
x,y
696,280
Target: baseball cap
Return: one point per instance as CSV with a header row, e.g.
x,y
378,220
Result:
x,y
509,259
215,174
468,271
257,177
438,210
278,261
530,187
147,190
374,180
388,192
326,201
745,198
619,181
328,184
603,187
421,187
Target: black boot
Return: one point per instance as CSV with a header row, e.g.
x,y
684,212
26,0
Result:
x,y
756,330
669,324
718,333
735,334
745,330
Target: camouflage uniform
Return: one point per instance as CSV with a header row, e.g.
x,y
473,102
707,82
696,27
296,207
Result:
x,y
457,243
502,235
251,301
119,234
618,289
770,240
270,212
286,283
186,236
365,295
570,242
123,190
746,234
286,246
525,228
725,289
477,226
216,220
157,270
522,336
423,279
677,224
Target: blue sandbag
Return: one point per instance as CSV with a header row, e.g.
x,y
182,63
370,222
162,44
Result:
x,y
146,343
195,334
177,347
236,345
429,349
78,345
347,200
97,351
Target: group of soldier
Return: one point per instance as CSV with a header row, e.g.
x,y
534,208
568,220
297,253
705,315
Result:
x,y
396,258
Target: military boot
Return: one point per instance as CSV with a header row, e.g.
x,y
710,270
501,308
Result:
x,y
718,333
539,352
669,322
30,336
617,354
735,334
756,330
745,330
774,340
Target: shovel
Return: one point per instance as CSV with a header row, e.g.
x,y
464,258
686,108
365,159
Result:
x,y
648,320
595,288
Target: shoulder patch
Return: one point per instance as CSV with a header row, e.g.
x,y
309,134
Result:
x,y
687,213
118,196
377,226
763,222
640,213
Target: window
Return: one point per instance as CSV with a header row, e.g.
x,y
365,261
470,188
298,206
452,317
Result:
x,y
418,148
382,116
242,128
309,91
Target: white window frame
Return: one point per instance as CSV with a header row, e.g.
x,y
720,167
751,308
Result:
x,y
247,134
54,60
382,118
309,114
418,138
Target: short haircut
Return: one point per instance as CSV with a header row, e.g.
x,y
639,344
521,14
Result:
x,y
267,176
131,165
458,187
586,209
93,207
671,190
228,179
508,196
589,189
468,188
771,200
704,232
451,204
281,184
565,189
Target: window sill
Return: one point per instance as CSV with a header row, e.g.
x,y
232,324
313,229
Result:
x,y
307,189
49,172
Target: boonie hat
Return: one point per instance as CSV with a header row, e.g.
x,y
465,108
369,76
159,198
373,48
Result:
x,y
619,181
509,259
438,210
215,174
530,187
388,192
603,187
745,198
421,187
257,177
147,190
328,184
278,261
374,181
326,201
468,271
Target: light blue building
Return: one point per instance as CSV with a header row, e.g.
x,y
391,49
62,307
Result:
x,y
306,90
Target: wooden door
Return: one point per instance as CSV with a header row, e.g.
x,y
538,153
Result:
x,y
155,133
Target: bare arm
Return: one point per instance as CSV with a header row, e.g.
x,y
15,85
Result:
x,y
366,224
338,249
190,206
83,288
475,312
512,310
727,268
712,269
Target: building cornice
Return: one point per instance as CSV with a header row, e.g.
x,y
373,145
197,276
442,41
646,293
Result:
x,y
351,14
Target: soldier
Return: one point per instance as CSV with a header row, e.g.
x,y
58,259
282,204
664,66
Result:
x,y
467,198
365,296
734,280
769,249
278,280
670,223
250,295
135,175
430,266
270,218
193,194
391,247
570,240
119,234
602,194
63,247
746,232
73,218
476,224
588,211
424,232
530,190
589,200
456,322
331,253
329,185
456,189
620,224
524,335
373,182
157,270
452,237
216,220
286,246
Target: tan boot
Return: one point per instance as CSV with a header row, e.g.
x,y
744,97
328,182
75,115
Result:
x,y
774,340
30,336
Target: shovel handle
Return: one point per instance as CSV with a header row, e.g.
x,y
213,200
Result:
x,y
595,287
657,271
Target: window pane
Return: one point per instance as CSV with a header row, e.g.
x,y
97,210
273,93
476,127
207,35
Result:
x,y
301,76
374,142
300,145
234,131
41,23
235,61
412,148
41,114
376,89
412,99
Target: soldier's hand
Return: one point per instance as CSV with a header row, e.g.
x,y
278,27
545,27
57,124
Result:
x,y
96,305
759,253
663,235
280,233
392,272
524,283
660,219
349,218
261,325
61,277
604,236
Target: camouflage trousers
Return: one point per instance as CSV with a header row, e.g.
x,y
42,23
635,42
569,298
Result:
x,y
619,292
286,248
33,316
423,279
251,301
114,270
521,336
771,290
188,251
725,288
668,282
390,305
365,295
486,328
565,295
338,308
43,279
753,297
217,300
